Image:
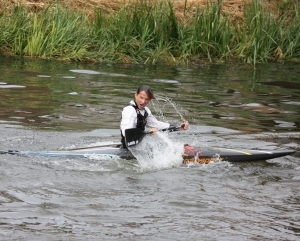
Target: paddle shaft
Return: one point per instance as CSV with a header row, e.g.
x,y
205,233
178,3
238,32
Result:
x,y
134,136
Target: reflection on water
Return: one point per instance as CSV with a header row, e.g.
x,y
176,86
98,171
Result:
x,y
75,96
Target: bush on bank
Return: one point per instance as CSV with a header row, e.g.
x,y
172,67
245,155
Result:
x,y
153,33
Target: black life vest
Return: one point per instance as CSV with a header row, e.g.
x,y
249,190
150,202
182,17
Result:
x,y
140,124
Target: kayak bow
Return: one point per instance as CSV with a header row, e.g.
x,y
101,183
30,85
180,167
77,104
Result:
x,y
206,155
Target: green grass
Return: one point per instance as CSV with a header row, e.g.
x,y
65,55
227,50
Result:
x,y
263,37
150,34
53,32
208,34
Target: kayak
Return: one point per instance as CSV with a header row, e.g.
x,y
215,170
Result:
x,y
206,155
191,154
99,151
209,154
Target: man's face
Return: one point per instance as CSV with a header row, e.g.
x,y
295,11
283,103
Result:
x,y
141,99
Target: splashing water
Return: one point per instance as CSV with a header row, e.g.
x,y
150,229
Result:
x,y
157,152
158,106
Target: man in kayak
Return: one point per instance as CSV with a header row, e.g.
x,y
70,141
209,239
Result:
x,y
137,115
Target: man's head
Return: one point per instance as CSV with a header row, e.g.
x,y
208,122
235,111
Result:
x,y
143,96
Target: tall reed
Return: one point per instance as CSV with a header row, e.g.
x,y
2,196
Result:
x,y
257,35
141,32
151,32
263,37
53,32
289,35
208,34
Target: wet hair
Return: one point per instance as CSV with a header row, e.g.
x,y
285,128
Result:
x,y
147,90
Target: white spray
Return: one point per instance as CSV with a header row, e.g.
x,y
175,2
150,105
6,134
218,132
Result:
x,y
159,151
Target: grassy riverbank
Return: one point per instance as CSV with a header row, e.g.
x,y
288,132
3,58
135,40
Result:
x,y
147,32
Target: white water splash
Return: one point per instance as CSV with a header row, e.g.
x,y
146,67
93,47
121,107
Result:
x,y
157,152
163,102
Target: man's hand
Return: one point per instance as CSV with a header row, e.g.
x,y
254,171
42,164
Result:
x,y
153,130
184,125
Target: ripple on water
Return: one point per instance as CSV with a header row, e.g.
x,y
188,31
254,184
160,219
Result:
x,y
84,71
155,197
7,86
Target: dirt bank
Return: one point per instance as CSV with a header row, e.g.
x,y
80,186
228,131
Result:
x,y
232,7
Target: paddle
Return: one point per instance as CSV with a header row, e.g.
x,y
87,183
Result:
x,y
134,136
9,152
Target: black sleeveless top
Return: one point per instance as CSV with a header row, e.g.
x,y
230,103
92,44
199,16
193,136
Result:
x,y
141,122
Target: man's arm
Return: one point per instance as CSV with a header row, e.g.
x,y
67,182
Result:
x,y
128,119
154,123
159,125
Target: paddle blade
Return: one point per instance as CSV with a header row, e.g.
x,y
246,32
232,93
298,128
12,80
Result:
x,y
134,136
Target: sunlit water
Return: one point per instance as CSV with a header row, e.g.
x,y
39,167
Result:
x,y
49,105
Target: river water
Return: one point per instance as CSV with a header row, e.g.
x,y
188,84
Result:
x,y
51,105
